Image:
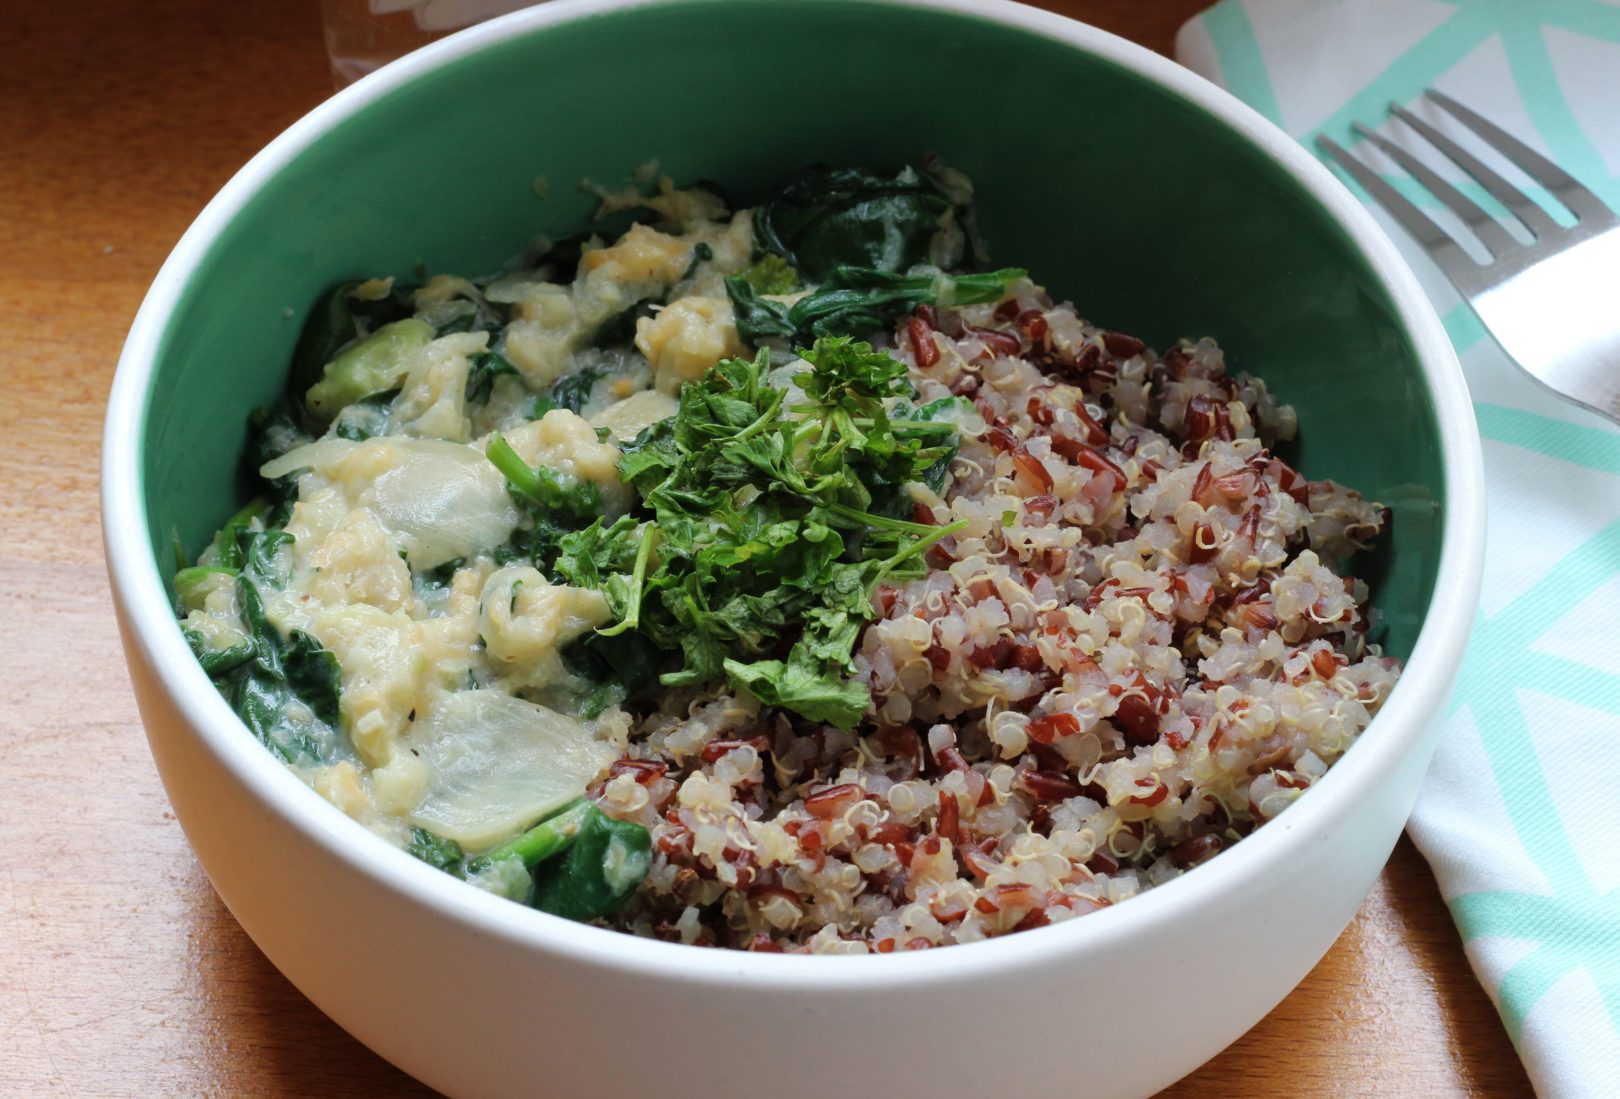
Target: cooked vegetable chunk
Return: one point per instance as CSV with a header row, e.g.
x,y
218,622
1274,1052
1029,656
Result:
x,y
374,365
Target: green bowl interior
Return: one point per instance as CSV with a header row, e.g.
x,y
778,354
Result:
x,y
1115,193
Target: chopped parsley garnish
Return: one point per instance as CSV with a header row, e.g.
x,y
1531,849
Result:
x,y
765,523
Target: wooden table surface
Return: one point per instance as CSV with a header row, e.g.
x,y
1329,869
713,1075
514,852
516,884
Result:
x,y
120,971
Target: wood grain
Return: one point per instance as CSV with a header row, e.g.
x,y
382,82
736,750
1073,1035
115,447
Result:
x,y
120,971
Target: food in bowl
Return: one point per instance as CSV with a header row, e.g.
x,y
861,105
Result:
x,y
781,580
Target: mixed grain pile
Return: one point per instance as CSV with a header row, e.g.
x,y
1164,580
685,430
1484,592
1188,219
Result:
x,y
1136,651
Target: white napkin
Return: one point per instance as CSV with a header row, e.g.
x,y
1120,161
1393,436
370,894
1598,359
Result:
x,y
1520,814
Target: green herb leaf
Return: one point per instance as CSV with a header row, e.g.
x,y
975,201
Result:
x,y
804,685
768,523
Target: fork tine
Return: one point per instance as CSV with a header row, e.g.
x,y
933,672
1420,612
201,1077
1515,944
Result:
x,y
1482,225
1457,263
1564,187
1522,205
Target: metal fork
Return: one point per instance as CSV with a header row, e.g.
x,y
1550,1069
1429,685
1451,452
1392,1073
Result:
x,y
1554,303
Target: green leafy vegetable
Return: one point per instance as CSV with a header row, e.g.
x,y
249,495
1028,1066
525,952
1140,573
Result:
x,y
771,274
375,364
572,392
482,370
555,507
226,546
540,488
612,559
621,327
440,576
475,315
771,525
856,300
824,218
613,668
949,410
218,662
272,432
285,688
802,685
601,861
701,253
365,419
329,329
597,873
437,852
758,318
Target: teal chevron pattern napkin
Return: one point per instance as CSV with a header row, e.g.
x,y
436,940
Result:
x,y
1520,815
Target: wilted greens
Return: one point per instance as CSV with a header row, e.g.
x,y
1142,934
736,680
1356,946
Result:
x,y
826,218
580,863
285,687
857,300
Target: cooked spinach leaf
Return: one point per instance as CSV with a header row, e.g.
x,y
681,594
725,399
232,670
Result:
x,y
571,392
218,662
857,300
541,489
584,864
273,431
555,506
621,327
482,370
329,328
437,852
611,668
285,687
825,218
598,871
440,576
365,419
475,316
758,318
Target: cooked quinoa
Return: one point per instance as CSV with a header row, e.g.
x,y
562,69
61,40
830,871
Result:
x,y
1112,637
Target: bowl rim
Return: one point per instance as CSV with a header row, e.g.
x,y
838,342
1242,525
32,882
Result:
x,y
150,626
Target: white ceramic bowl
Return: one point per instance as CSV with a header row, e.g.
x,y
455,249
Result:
x,y
480,997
